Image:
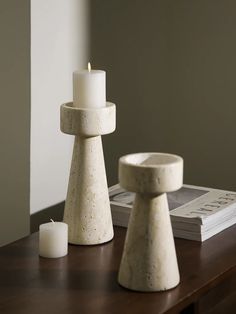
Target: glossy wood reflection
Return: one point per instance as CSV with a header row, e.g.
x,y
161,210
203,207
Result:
x,y
85,281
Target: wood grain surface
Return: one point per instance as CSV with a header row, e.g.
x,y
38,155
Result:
x,y
85,281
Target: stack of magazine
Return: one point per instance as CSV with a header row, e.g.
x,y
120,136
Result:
x,y
197,213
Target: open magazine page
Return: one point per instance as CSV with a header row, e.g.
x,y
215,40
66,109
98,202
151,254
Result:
x,y
121,197
208,207
176,199
197,213
188,203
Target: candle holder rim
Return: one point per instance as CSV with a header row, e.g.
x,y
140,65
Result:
x,y
129,160
70,106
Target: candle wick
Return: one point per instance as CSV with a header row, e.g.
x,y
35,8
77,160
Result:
x,y
52,221
89,67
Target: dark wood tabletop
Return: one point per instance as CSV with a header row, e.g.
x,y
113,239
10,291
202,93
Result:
x,y
85,281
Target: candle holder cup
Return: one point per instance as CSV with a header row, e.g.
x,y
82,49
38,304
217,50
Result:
x,y
87,209
149,260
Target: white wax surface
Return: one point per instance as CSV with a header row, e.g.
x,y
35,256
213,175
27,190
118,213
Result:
x,y
89,89
53,239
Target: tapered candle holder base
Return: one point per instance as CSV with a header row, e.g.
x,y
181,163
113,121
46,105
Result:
x,y
87,208
149,259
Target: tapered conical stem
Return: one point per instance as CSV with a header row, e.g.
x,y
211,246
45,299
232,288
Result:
x,y
87,210
149,259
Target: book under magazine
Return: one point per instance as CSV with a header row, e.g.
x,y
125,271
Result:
x,y
197,213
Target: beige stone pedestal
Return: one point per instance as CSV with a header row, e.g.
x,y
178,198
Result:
x,y
149,259
87,209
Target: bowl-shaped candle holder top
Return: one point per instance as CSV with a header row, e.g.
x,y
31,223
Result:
x,y
149,259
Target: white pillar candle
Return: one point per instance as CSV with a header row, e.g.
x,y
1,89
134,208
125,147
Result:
x,y
53,239
89,88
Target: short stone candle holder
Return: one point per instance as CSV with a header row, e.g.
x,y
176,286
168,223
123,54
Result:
x,y
149,260
87,208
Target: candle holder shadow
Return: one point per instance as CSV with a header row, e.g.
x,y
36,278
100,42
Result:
x,y
87,209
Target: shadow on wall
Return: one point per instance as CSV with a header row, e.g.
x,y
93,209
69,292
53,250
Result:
x,y
54,212
171,70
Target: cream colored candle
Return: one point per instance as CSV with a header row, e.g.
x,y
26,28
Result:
x,y
53,239
89,88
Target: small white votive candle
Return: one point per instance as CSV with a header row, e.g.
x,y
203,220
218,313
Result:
x,y
53,239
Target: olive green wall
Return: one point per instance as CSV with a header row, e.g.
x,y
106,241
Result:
x,y
14,119
171,68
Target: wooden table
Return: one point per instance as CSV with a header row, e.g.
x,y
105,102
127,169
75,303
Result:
x,y
85,281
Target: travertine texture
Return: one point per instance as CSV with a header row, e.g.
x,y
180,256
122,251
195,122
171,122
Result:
x,y
87,210
151,173
88,121
149,259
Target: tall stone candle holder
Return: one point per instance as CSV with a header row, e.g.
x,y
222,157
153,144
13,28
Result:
x,y
87,208
149,259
